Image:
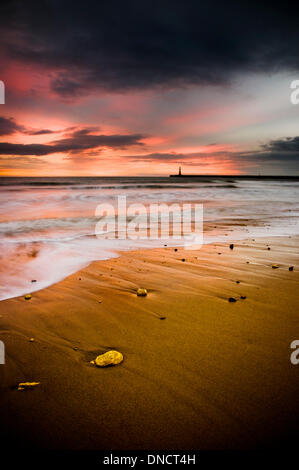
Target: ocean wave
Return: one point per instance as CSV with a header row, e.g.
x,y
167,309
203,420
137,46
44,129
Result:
x,y
47,226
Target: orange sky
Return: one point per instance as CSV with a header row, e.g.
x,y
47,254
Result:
x,y
202,129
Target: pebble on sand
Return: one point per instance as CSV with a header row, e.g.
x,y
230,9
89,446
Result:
x,y
275,266
31,340
231,246
243,297
141,292
33,280
27,297
27,385
232,299
291,268
110,358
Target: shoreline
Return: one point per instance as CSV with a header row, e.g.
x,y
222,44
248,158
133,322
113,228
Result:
x,y
211,375
119,253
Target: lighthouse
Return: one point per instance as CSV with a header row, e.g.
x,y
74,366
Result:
x,y
180,171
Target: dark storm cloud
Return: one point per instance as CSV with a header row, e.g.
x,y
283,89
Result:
x,y
282,150
7,148
40,132
67,87
9,126
82,140
287,145
119,45
78,141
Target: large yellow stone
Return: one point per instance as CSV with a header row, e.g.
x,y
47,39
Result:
x,y
27,297
141,292
110,358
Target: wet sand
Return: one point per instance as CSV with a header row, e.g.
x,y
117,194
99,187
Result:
x,y
212,374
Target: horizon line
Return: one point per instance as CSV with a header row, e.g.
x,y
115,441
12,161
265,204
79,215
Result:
x,y
190,175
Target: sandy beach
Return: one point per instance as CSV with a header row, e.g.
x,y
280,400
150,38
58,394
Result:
x,y
199,372
149,233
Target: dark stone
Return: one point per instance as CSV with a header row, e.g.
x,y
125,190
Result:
x,y
232,299
231,246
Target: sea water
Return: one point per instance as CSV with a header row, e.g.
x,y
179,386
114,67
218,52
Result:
x,y
47,225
